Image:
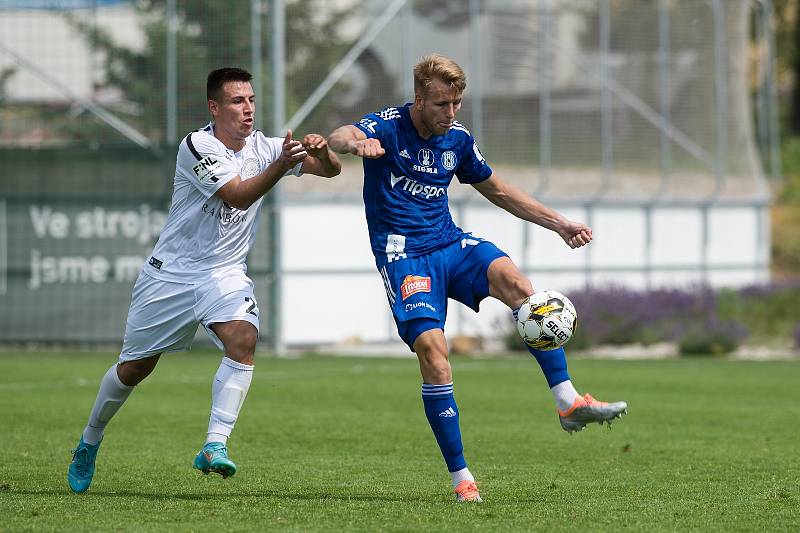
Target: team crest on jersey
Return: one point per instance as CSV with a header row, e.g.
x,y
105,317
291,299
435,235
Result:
x,y
449,160
414,284
250,167
425,157
205,168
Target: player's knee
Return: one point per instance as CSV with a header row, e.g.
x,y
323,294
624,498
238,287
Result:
x,y
508,284
436,368
519,288
433,358
132,373
240,342
244,350
431,343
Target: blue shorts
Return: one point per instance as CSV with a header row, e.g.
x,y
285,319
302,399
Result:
x,y
418,287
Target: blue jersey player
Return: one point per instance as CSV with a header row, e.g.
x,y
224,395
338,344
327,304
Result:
x,y
411,154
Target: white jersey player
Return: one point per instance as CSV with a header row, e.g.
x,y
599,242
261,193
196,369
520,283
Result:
x,y
197,274
203,234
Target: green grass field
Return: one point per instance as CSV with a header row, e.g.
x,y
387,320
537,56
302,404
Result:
x,y
342,444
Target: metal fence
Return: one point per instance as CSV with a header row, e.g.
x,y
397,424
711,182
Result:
x,y
663,110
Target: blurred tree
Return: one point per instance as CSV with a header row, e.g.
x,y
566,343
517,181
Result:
x,y
786,210
787,42
213,34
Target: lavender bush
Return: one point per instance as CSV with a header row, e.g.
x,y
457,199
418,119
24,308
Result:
x,y
699,319
714,337
617,315
770,312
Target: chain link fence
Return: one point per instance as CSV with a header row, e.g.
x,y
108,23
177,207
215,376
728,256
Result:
x,y
584,103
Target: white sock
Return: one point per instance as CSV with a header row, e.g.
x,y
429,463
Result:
x,y
110,397
460,475
228,392
565,395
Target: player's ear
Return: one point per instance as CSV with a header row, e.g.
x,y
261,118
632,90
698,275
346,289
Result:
x,y
213,107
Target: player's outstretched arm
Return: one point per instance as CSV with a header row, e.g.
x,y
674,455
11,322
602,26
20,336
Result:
x,y
350,140
524,206
241,193
320,161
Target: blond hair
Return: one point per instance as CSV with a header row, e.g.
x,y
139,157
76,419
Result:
x,y
435,66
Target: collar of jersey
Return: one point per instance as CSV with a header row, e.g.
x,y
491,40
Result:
x,y
227,150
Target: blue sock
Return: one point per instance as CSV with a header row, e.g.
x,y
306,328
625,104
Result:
x,y
553,362
442,412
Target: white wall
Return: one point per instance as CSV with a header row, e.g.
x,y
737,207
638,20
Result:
x,y
333,239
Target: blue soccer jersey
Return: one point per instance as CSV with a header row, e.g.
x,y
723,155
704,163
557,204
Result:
x,y
405,190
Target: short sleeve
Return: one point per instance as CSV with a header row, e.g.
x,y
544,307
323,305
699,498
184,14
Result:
x,y
379,125
473,167
206,163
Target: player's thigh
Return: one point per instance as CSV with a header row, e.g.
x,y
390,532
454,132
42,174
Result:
x,y
469,262
161,318
507,283
228,303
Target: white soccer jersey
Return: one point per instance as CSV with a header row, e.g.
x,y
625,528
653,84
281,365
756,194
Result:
x,y
203,235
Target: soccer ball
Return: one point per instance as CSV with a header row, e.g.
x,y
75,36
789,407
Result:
x,y
546,320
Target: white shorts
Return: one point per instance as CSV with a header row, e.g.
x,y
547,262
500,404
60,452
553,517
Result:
x,y
164,316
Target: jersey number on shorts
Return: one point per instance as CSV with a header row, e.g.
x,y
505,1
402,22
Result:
x,y
253,309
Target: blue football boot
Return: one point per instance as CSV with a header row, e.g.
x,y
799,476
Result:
x,y
81,469
214,458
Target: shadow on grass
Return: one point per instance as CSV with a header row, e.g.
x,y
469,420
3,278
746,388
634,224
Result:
x,y
267,494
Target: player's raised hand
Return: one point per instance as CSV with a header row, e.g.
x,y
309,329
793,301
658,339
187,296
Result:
x,y
292,152
575,234
316,145
369,148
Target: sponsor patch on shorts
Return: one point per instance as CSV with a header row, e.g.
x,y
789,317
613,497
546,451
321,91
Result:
x,y
414,284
